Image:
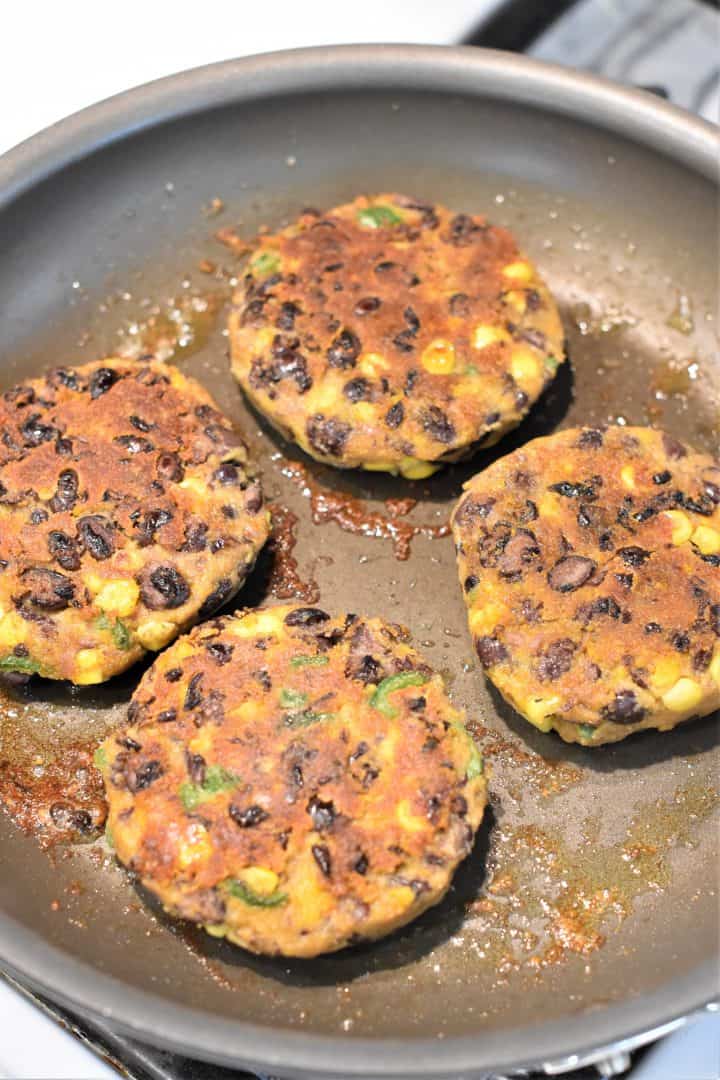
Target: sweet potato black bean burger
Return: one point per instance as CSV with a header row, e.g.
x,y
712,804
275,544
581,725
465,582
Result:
x,y
128,509
590,564
292,781
393,335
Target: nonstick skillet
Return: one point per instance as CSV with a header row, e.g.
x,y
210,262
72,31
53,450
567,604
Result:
x,y
587,912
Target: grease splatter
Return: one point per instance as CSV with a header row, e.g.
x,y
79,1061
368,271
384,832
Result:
x,y
285,582
544,901
353,515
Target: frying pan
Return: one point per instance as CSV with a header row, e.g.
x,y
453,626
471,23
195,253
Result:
x,y
613,193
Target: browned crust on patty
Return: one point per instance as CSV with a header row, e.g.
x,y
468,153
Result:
x,y
590,563
128,508
272,786
393,334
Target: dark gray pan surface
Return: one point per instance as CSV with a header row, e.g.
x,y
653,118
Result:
x,y
612,194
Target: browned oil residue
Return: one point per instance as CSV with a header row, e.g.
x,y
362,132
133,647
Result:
x,y
56,799
544,901
681,317
194,939
354,516
544,776
229,238
611,321
674,377
175,329
285,583
214,207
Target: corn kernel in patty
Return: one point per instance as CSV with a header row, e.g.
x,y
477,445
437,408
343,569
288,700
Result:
x,y
680,526
518,271
118,596
439,357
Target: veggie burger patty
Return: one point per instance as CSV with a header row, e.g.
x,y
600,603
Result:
x,y
392,335
590,562
292,781
128,509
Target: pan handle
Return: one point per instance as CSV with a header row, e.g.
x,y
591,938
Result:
x,y
670,46
515,24
612,1061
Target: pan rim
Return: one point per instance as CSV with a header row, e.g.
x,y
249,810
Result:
x,y
623,110
148,1017
476,72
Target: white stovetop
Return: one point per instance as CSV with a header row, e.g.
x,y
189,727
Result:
x,y
56,58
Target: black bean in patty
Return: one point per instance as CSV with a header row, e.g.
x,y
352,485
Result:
x,y
35,432
321,855
219,595
64,549
437,424
66,494
344,350
97,534
101,380
323,814
556,660
490,650
367,305
169,466
624,709
327,436
47,589
357,390
395,415
307,616
247,817
570,573
163,587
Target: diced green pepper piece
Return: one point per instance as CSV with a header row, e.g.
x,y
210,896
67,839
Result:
x,y
374,217
470,369
296,700
24,665
191,795
265,263
120,633
476,766
552,363
292,699
109,836
307,717
243,892
309,661
586,732
217,778
380,698
100,758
